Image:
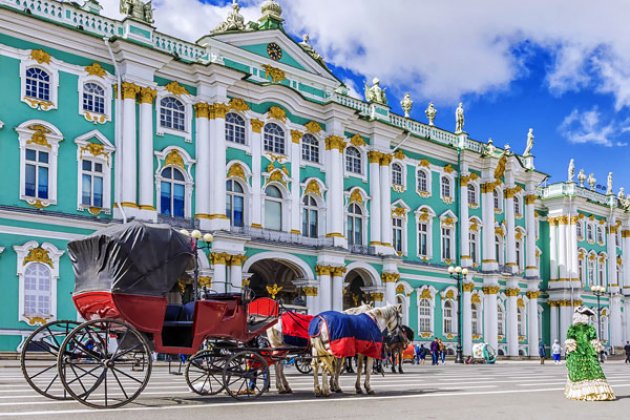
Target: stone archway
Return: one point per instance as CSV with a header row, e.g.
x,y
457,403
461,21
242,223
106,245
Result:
x,y
274,277
355,284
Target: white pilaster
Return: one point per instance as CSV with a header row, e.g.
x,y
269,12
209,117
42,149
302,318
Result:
x,y
337,274
386,202
129,152
219,281
565,321
572,249
375,203
325,292
296,160
256,146
236,273
490,315
489,262
531,269
334,182
145,157
553,248
510,240
466,260
218,219
512,321
533,335
467,318
554,321
202,178
616,333
562,248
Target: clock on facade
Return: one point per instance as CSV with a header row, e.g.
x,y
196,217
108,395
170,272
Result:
x,y
274,51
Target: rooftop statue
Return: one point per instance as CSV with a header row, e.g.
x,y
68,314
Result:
x,y
459,119
530,143
430,112
592,181
233,22
375,93
571,171
581,177
621,194
406,104
137,9
609,184
308,48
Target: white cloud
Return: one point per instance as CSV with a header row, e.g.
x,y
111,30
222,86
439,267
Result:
x,y
442,50
580,127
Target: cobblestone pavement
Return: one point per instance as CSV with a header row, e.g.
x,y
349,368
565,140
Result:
x,y
505,390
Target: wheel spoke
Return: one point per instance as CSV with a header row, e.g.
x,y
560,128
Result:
x,y
84,375
127,351
127,375
120,385
43,371
79,379
51,383
122,340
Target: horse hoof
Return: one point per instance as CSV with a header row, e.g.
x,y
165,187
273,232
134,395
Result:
x,y
401,371
359,391
371,392
338,391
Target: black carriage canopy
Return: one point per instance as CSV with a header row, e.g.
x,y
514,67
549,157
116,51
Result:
x,y
134,258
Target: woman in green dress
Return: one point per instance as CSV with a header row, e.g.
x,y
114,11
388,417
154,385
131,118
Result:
x,y
586,380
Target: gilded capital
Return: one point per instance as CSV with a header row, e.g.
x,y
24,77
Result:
x,y
335,142
147,95
310,291
338,271
512,292
533,295
530,199
491,290
390,277
625,233
468,287
296,136
386,159
130,90
257,125
374,156
202,110
218,110
323,270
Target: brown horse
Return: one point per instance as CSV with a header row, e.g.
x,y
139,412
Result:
x,y
396,344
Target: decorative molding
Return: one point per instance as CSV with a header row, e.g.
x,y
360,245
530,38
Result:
x,y
147,95
202,110
238,104
313,188
41,56
174,88
357,141
277,113
313,127
296,136
95,69
174,158
277,75
335,142
257,125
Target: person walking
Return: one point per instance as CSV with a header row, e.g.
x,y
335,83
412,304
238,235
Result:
x,y
627,349
542,352
435,348
442,349
423,354
556,349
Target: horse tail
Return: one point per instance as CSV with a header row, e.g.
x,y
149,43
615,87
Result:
x,y
323,354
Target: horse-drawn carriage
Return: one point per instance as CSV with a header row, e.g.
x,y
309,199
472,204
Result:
x,y
123,275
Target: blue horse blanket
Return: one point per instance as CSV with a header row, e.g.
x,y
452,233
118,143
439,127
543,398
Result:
x,y
349,334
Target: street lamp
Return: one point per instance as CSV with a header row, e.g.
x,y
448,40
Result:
x,y
206,240
599,291
458,274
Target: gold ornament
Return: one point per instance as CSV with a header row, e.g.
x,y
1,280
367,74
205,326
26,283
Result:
x,y
205,282
313,127
399,212
41,56
390,277
38,255
426,293
313,188
176,89
335,142
277,113
468,287
218,110
296,136
275,73
357,141
95,69
202,110
425,163
237,171
130,90
39,135
174,158
399,154
448,169
257,125
238,104
147,95
95,150
274,290
356,197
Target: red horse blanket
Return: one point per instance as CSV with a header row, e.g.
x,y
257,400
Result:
x,y
295,328
350,334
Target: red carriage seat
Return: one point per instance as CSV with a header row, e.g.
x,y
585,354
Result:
x,y
263,307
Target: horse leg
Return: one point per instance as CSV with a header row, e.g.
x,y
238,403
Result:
x,y
357,384
315,364
286,389
335,380
277,365
393,361
400,361
368,374
325,385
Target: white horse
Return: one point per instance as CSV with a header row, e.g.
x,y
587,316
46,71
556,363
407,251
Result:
x,y
276,341
388,317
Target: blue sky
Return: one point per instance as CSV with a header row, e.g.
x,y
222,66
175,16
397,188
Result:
x,y
515,65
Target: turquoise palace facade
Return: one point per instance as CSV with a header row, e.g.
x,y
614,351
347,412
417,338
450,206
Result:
x,y
313,196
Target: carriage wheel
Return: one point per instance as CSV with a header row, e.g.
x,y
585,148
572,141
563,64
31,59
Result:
x,y
204,372
303,364
246,376
104,363
39,358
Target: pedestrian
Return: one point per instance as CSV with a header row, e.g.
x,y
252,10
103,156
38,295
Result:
x,y
435,348
442,349
416,353
542,352
423,353
627,349
555,352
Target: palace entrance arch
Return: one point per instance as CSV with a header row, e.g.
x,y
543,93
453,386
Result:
x,y
359,288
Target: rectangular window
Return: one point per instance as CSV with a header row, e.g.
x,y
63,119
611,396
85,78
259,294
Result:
x,y
397,224
446,244
92,183
472,245
273,215
423,239
36,174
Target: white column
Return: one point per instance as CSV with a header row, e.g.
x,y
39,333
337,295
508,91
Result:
x,y
565,320
129,171
145,157
296,159
375,203
219,280
489,262
612,256
626,320
616,333
390,279
337,274
531,269
386,201
533,335
464,247
312,303
512,321
562,248
490,316
202,169
510,240
625,235
553,248
236,273
467,318
256,146
334,182
218,219
325,292
554,321
572,248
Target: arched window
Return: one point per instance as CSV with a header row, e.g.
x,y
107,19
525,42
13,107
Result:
x,y
498,248
355,225
234,128
472,194
601,271
172,192
517,205
397,226
500,321
37,84
446,187
94,98
423,181
172,114
519,254
397,174
474,315
353,161
310,148
448,317
37,278
235,203
273,208
274,139
581,269
600,235
424,316
310,214
447,242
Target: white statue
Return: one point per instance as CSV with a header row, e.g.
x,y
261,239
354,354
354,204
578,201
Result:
x,y
571,171
308,48
233,22
489,148
609,184
530,143
592,181
406,104
430,112
137,9
581,177
621,195
459,119
375,93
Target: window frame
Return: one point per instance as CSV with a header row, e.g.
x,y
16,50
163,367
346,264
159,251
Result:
x,y
310,144
497,200
102,153
399,186
187,164
278,200
276,138
161,130
106,83
229,142
359,158
427,174
52,68
427,317
361,218
306,213
229,201
475,193
448,185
